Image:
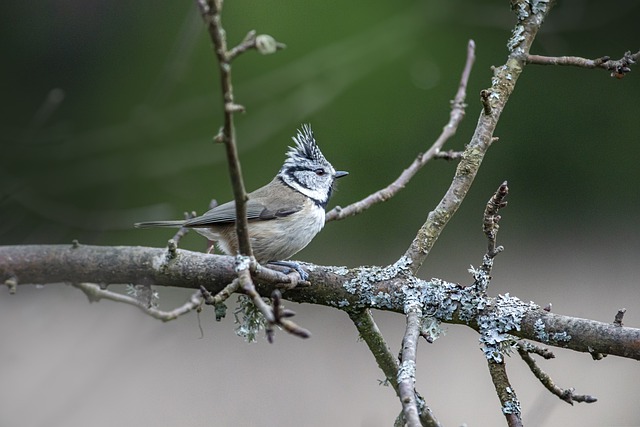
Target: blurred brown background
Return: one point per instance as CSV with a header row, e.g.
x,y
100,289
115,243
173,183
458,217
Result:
x,y
109,111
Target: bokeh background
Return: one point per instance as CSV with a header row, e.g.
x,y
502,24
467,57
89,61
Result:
x,y
108,113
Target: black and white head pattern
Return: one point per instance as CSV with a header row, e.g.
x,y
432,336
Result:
x,y
306,169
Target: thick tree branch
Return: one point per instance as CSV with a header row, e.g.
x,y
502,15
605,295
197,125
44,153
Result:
x,y
340,287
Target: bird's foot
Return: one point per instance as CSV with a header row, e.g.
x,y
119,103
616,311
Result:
x,y
292,266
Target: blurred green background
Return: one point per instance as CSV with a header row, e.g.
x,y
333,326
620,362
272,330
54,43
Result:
x,y
110,107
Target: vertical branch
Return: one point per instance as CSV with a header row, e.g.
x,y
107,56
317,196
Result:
x,y
211,13
371,335
407,372
387,362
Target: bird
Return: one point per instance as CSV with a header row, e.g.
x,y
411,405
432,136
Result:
x,y
283,216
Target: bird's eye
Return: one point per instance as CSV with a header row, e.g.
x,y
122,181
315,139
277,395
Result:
x,y
320,172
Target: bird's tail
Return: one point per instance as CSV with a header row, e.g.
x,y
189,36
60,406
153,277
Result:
x,y
175,224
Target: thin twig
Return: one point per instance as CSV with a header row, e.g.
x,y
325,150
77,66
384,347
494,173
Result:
x,y
448,155
182,231
271,314
535,349
490,224
211,13
221,296
95,293
506,393
619,68
457,114
566,395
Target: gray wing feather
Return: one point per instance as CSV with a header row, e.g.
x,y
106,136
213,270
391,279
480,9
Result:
x,y
226,214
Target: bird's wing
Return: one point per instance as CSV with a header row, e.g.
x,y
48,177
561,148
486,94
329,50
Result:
x,y
226,213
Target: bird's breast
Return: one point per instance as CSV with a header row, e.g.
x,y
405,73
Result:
x,y
280,238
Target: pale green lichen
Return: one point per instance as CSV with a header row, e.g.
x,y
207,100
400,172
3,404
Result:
x,y
516,38
511,406
540,6
495,326
542,335
407,371
539,330
249,319
431,329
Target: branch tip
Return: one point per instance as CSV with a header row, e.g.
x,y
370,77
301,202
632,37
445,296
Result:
x,y
12,284
617,321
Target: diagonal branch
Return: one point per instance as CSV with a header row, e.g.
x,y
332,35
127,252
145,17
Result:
x,y
455,117
530,19
564,394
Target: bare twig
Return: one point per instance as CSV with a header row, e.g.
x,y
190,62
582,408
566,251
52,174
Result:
x,y
503,84
273,315
455,117
211,13
535,349
95,293
490,225
506,393
566,395
619,68
221,296
182,231
265,44
449,155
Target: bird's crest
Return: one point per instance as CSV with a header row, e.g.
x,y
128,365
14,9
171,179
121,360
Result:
x,y
306,147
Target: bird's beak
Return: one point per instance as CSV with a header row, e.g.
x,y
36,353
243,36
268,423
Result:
x,y
340,174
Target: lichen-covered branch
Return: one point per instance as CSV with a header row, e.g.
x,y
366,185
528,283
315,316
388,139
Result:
x,y
508,400
383,288
530,16
407,370
387,362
